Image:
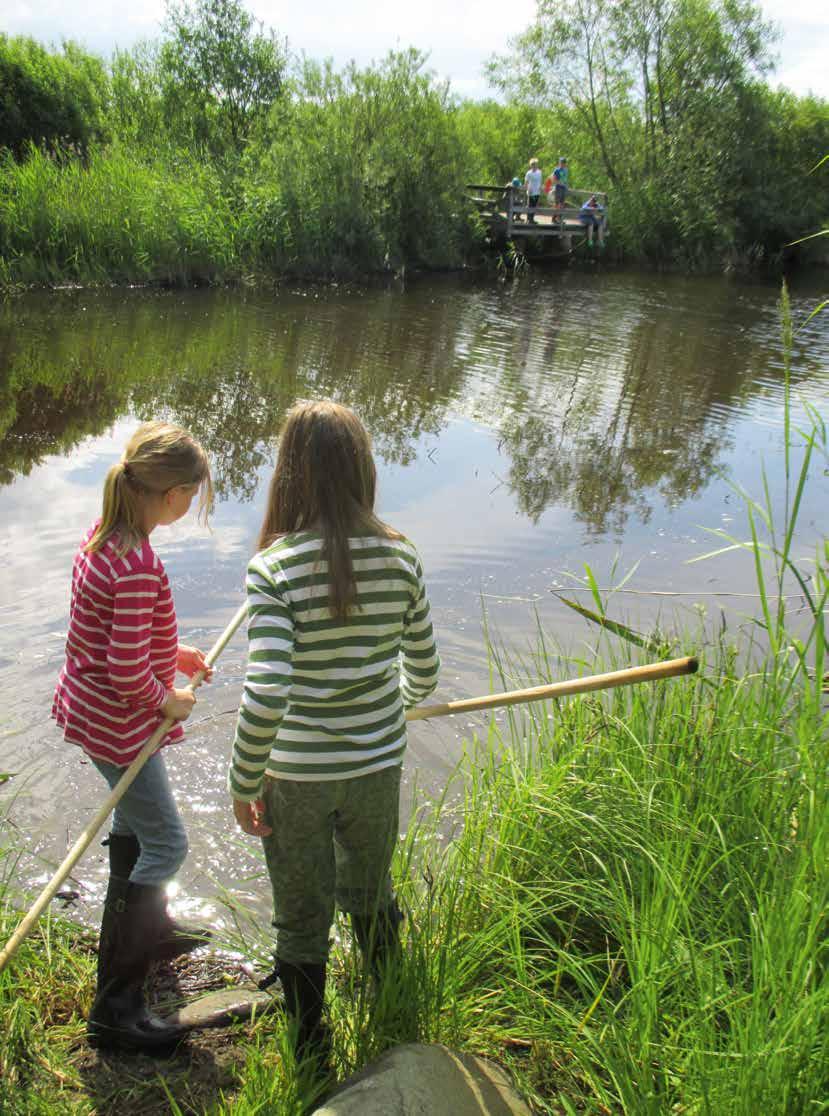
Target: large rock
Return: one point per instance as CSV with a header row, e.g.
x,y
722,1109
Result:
x,y
418,1080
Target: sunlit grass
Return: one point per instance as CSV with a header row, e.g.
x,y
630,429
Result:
x,y
117,218
631,916
359,174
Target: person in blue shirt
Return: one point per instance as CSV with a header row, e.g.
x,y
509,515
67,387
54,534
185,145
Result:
x,y
561,181
591,216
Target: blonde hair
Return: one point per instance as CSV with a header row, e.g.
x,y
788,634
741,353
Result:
x,y
325,478
159,456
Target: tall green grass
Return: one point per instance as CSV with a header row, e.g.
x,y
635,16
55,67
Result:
x,y
622,898
117,218
357,172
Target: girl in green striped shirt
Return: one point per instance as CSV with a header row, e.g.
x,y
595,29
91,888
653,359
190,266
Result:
x,y
340,645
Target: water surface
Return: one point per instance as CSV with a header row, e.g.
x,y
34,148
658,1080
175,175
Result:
x,y
521,430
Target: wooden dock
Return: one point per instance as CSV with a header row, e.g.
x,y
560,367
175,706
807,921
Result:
x,y
499,207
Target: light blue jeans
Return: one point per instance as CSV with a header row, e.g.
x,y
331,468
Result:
x,y
148,811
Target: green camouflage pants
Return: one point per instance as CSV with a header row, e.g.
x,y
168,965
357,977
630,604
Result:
x,y
332,841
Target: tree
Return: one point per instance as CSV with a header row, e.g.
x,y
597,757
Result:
x,y
137,109
498,139
220,71
660,87
54,98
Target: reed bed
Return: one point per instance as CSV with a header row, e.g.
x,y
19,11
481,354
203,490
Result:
x,y
358,173
114,217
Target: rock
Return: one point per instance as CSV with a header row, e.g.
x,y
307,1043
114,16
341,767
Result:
x,y
419,1080
217,1009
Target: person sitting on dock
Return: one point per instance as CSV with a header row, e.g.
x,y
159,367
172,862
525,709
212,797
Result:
x,y
592,217
532,184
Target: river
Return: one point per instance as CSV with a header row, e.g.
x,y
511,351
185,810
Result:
x,y
522,430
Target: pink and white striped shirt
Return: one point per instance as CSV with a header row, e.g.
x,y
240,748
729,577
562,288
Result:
x,y
121,651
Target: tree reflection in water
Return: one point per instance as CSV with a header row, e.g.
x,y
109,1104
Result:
x,y
602,399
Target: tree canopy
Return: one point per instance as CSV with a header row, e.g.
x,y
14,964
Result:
x,y
220,71
50,97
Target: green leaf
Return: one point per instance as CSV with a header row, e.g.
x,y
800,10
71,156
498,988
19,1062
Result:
x,y
817,309
614,626
594,588
715,553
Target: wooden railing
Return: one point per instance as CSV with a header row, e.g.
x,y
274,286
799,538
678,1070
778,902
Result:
x,y
489,194
499,202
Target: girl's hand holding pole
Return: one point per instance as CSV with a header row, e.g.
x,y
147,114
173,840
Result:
x,y
178,705
250,817
190,660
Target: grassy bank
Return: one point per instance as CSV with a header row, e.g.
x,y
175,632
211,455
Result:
x,y
631,918
147,168
357,173
115,218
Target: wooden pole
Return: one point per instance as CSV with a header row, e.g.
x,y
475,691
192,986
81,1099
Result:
x,y
653,672
119,790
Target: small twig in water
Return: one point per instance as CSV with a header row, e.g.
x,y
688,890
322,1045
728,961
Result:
x,y
212,717
500,483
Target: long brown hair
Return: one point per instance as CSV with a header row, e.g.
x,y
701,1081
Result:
x,y
325,479
159,456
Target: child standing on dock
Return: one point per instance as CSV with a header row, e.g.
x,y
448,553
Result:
x,y
561,182
116,686
532,184
340,644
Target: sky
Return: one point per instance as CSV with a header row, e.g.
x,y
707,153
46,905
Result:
x,y
458,35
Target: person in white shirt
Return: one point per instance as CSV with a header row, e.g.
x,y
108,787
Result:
x,y
532,184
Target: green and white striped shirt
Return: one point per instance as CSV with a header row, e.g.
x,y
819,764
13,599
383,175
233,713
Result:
x,y
323,698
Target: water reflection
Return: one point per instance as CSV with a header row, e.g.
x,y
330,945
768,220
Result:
x,y
604,396
221,366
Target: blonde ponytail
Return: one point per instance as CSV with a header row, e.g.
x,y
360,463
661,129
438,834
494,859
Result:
x,y
159,456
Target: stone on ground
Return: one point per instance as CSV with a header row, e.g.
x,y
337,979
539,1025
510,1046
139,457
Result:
x,y
419,1080
217,1009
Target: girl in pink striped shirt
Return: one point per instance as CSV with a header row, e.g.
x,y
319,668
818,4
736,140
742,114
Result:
x,y
117,685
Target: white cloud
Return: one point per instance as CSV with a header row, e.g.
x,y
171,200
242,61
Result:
x,y
459,37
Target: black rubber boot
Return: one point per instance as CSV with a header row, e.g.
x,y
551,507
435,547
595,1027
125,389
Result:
x,y
378,937
174,938
124,851
119,1018
304,988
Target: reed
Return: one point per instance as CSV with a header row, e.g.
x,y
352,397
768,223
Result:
x,y
115,217
358,173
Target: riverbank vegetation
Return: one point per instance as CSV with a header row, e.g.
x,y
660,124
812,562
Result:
x,y
631,919
631,915
216,154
